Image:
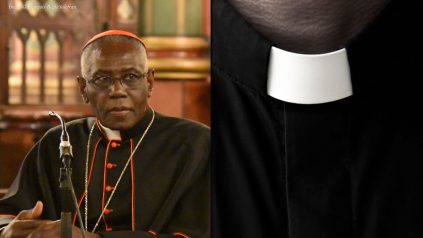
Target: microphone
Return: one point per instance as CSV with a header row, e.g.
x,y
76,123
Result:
x,y
65,145
66,185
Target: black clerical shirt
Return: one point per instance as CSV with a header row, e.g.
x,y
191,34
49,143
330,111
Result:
x,y
350,168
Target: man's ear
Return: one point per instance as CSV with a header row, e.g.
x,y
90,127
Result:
x,y
82,84
150,81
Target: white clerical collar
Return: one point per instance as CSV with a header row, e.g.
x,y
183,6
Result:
x,y
111,134
308,79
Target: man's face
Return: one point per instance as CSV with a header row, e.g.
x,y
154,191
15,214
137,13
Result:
x,y
117,107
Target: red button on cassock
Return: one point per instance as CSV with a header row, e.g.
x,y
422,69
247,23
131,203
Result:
x,y
114,144
111,166
108,211
109,188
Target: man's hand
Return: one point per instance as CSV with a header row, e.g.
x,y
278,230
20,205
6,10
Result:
x,y
24,223
52,230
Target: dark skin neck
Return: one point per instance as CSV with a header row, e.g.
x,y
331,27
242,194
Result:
x,y
309,26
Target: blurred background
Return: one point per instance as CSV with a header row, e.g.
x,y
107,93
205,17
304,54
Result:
x,y
40,42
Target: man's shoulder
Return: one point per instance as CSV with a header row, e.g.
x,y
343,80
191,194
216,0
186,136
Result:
x,y
72,126
80,123
182,125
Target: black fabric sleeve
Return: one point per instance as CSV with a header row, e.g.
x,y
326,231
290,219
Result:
x,y
32,183
191,214
24,191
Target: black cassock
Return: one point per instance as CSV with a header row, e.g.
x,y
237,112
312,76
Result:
x,y
350,168
165,189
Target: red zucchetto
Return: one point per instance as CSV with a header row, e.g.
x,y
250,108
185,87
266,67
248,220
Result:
x,y
113,32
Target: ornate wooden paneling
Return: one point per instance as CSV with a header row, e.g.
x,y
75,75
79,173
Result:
x,y
4,50
44,46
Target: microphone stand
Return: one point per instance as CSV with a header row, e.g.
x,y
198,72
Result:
x,y
66,187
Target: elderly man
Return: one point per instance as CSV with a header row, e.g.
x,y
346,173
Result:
x,y
148,174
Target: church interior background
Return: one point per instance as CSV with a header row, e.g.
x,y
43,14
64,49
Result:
x,y
40,42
